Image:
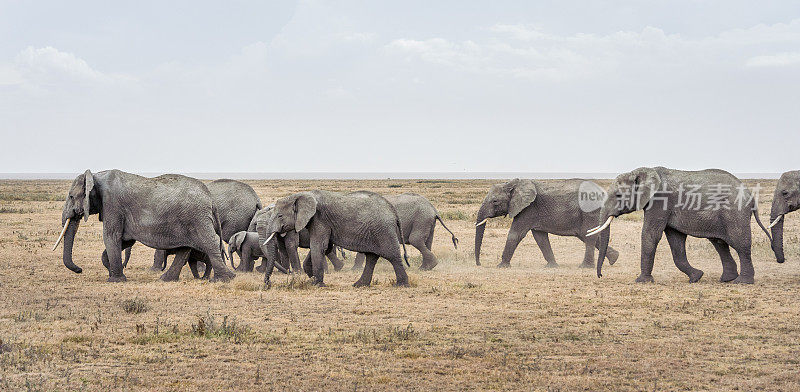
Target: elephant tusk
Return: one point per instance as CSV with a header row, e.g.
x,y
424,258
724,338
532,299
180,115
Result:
x,y
61,236
482,222
775,222
269,238
600,228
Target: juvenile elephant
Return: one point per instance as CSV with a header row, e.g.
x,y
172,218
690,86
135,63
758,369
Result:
x,y
541,209
248,247
369,225
418,218
284,249
167,212
786,199
709,203
236,203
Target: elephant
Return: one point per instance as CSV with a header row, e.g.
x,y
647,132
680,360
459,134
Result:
x,y
284,249
248,247
418,218
236,204
170,212
369,225
786,199
542,209
672,201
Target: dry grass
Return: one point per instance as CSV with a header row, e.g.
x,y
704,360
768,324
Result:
x,y
459,327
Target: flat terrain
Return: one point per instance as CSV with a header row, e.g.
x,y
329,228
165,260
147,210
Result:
x,y
459,327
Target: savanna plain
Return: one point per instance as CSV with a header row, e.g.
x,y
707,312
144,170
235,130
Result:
x,y
458,327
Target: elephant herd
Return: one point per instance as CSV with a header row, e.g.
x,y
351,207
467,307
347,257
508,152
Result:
x,y
179,215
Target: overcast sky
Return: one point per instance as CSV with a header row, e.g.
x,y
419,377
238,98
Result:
x,y
366,86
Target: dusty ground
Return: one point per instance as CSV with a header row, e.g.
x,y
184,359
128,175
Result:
x,y
459,327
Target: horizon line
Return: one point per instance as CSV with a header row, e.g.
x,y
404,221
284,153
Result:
x,y
344,175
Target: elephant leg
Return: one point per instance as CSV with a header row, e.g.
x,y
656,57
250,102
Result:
x,y
650,237
104,259
729,269
317,249
543,241
515,235
113,242
337,263
173,273
193,267
308,267
417,240
127,256
159,260
263,267
206,268
746,271
611,254
588,254
369,267
359,262
211,247
677,244
429,239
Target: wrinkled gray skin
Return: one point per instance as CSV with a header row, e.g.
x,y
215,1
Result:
x,y
170,212
247,246
418,218
541,209
369,225
656,190
283,249
236,204
786,199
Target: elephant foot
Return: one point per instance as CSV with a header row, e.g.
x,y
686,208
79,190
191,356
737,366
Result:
x,y
728,276
744,280
224,276
645,279
115,279
429,266
320,284
168,277
612,256
551,265
695,276
361,283
587,264
504,265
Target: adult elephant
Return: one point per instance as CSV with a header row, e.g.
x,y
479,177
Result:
x,y
542,209
418,218
168,212
283,250
710,203
236,204
786,199
369,225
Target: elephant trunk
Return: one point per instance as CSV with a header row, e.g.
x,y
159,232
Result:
x,y
605,236
480,228
69,240
777,230
230,255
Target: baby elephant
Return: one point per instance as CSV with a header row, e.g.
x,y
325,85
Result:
x,y
246,245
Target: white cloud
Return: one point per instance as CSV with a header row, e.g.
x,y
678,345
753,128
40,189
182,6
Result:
x,y
775,60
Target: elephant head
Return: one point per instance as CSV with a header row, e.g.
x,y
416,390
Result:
x,y
235,245
508,198
785,200
629,192
291,213
82,200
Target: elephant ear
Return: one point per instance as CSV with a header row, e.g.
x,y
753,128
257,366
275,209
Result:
x,y
88,185
305,206
523,193
238,239
646,182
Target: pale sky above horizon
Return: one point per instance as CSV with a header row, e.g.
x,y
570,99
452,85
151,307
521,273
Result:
x,y
406,86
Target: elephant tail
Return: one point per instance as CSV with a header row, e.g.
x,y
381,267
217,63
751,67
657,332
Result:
x,y
402,238
758,220
455,240
127,256
218,229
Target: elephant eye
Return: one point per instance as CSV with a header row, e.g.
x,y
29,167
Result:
x,y
785,192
